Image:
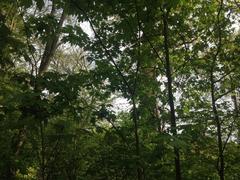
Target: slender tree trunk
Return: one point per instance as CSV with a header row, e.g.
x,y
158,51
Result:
x,y
219,130
42,153
170,93
217,120
236,109
135,113
137,145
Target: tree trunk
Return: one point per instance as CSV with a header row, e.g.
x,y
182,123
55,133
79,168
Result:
x,y
219,130
51,47
236,109
137,145
220,163
170,93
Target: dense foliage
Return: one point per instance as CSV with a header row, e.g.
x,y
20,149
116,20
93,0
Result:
x,y
137,89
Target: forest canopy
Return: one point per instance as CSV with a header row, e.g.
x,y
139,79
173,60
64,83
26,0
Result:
x,y
119,89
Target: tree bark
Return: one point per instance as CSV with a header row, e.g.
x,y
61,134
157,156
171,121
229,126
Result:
x,y
220,163
236,109
170,92
137,144
51,47
219,130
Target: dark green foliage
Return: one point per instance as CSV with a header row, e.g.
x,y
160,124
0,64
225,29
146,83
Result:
x,y
63,121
